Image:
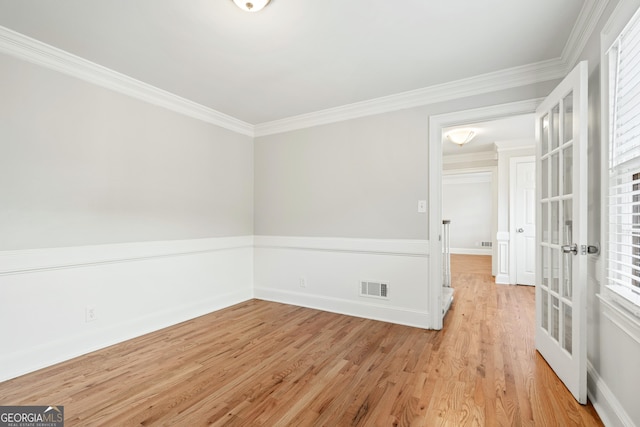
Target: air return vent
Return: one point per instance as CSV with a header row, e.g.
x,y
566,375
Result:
x,y
486,244
374,289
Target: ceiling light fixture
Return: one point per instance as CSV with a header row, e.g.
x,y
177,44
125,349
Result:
x,y
461,136
251,5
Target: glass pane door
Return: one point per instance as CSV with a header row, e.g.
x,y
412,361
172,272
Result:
x,y
556,206
560,303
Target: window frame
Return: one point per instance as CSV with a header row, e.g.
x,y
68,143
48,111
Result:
x,y
620,20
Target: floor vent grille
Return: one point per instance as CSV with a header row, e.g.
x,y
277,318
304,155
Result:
x,y
374,289
486,244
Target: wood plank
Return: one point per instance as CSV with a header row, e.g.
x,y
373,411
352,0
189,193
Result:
x,y
266,364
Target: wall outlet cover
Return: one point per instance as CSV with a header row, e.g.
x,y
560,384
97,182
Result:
x,y
90,313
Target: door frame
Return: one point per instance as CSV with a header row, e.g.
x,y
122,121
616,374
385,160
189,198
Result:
x,y
436,124
513,265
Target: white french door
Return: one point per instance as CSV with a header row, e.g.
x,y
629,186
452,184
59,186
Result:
x,y
561,265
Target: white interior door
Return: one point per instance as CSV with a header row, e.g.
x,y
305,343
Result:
x,y
561,130
525,221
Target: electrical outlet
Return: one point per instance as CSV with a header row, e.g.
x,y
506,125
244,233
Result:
x,y
90,313
303,282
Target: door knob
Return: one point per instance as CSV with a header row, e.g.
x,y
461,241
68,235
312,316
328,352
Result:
x,y
568,249
520,230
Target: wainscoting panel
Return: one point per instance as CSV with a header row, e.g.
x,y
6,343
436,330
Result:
x,y
612,376
502,277
326,274
132,289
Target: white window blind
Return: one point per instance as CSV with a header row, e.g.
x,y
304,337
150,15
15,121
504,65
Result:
x,y
624,164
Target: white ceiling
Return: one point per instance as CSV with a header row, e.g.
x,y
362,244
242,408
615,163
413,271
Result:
x,y
516,130
298,56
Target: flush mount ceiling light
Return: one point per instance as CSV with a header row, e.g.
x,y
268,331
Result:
x,y
251,5
461,136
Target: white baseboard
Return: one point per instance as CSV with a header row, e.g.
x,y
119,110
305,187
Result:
x,y
134,288
605,402
391,314
332,269
502,279
471,251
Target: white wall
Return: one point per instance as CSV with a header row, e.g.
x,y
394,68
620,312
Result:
x,y
82,165
359,178
112,203
467,200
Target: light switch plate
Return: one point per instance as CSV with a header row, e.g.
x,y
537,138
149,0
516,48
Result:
x,y
422,206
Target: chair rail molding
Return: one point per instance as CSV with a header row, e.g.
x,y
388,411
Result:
x,y
130,288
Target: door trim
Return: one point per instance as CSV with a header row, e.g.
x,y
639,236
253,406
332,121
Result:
x,y
436,124
513,265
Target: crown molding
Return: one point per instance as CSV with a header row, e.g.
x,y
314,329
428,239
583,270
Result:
x,y
26,48
530,148
538,72
34,51
449,159
477,85
515,145
586,23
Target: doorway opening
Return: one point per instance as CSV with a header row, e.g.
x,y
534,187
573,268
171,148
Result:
x,y
488,153
488,194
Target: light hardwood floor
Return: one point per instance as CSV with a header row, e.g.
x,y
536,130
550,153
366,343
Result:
x,y
262,363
